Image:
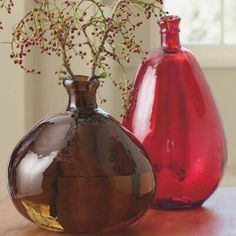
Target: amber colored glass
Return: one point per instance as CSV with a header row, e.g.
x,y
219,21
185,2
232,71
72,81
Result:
x,y
80,171
173,114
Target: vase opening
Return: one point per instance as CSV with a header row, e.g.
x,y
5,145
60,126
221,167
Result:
x,y
169,26
82,93
80,78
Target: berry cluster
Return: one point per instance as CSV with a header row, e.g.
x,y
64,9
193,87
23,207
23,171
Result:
x,y
7,5
71,28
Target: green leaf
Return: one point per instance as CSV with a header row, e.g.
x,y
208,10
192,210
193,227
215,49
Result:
x,y
103,75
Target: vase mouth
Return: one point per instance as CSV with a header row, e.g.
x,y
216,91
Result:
x,y
169,24
81,83
82,93
81,78
169,19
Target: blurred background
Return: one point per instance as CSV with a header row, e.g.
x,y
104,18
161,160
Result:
x,y
208,28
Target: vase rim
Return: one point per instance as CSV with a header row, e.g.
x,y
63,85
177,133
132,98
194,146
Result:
x,y
169,19
81,83
79,78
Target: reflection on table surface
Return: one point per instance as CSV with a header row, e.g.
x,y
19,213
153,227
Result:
x,y
216,218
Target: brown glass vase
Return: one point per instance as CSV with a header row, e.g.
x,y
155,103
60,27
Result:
x,y
80,171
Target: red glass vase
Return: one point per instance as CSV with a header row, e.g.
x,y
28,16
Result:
x,y
173,114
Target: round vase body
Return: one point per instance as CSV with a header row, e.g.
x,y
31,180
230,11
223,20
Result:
x,y
80,171
173,114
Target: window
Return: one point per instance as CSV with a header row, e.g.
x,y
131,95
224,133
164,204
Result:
x,y
208,28
205,21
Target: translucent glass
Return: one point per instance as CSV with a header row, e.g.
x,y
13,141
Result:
x,y
201,20
80,171
173,114
230,21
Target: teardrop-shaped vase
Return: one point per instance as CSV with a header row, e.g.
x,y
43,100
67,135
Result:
x,y
80,171
173,114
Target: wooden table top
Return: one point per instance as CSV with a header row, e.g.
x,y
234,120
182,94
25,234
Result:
x,y
216,218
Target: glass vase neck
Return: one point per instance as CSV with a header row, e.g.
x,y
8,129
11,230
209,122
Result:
x,y
170,39
82,93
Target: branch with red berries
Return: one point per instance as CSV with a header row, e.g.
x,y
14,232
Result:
x,y
7,5
72,28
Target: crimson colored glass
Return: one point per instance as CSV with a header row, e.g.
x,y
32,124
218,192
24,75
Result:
x,y
173,114
80,171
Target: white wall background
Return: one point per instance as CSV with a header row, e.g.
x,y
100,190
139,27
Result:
x,y
24,100
12,95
